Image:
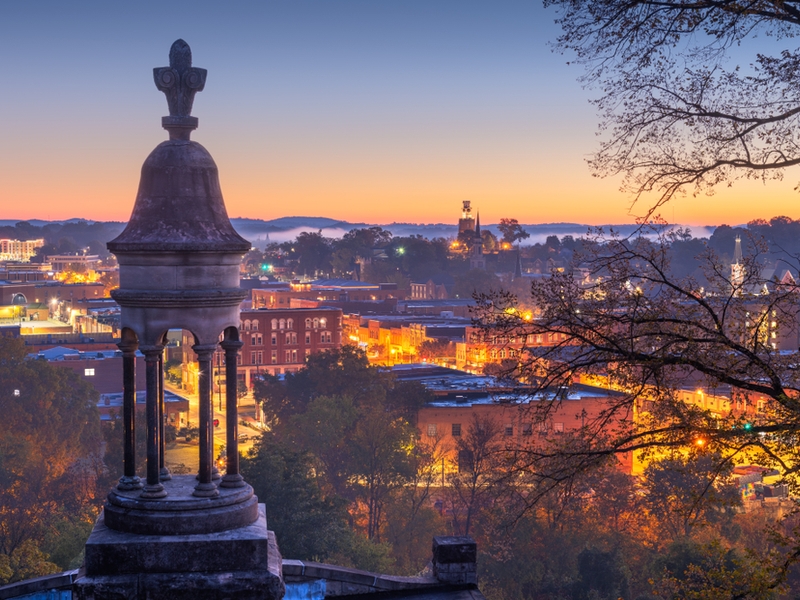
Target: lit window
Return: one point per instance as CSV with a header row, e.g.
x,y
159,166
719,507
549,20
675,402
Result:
x,y
432,430
558,427
88,372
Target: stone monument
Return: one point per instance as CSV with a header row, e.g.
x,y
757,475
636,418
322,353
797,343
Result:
x,y
180,536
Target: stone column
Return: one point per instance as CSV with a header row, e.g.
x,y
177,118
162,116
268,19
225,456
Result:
x,y
129,480
205,487
163,471
153,487
232,478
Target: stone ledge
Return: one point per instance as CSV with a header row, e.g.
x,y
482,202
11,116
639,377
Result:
x,y
37,585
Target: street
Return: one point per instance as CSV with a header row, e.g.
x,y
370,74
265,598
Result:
x,y
182,457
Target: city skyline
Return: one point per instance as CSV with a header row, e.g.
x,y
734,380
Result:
x,y
351,110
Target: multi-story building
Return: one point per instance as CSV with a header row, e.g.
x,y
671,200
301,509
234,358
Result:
x,y
278,341
338,290
518,420
21,251
480,348
61,262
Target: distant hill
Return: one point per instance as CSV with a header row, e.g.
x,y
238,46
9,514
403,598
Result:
x,y
260,231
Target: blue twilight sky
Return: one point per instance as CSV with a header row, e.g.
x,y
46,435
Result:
x,y
373,111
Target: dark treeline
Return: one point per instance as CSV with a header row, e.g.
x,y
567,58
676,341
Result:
x,y
66,238
372,254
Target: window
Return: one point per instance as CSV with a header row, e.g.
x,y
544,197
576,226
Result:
x,y
308,352
247,325
323,323
254,325
509,430
308,337
558,427
274,357
294,356
316,323
455,429
282,324
291,338
431,429
527,429
290,324
325,337
287,355
88,372
465,461
308,323
274,323
274,339
256,339
253,357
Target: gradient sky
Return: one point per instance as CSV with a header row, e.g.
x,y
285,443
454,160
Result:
x,y
373,111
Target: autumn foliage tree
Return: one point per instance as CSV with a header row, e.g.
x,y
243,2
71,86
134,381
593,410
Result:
x,y
50,461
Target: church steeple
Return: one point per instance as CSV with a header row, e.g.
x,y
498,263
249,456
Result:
x,y
737,266
476,260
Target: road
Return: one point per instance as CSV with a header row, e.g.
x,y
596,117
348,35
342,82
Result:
x,y
185,457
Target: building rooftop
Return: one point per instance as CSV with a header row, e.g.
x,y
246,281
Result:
x,y
459,388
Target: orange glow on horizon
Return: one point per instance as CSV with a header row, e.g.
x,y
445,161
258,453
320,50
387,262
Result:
x,y
387,194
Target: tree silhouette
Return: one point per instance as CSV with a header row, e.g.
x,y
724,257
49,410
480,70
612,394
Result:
x,y
677,111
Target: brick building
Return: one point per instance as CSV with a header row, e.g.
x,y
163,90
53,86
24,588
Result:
x,y
278,341
338,290
516,421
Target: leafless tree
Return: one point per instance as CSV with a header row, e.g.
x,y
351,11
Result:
x,y
692,93
619,319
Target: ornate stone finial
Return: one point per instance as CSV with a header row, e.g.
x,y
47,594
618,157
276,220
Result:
x,y
180,81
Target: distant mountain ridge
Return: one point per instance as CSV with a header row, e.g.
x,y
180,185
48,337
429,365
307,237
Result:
x,y
284,228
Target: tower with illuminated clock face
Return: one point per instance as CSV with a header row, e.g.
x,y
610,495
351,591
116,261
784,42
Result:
x,y
467,221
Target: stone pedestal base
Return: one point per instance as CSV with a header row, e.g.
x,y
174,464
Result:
x,y
180,512
241,563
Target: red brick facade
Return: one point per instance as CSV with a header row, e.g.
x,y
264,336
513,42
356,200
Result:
x,y
278,341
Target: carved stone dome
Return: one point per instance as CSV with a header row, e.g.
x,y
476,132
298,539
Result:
x,y
179,206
